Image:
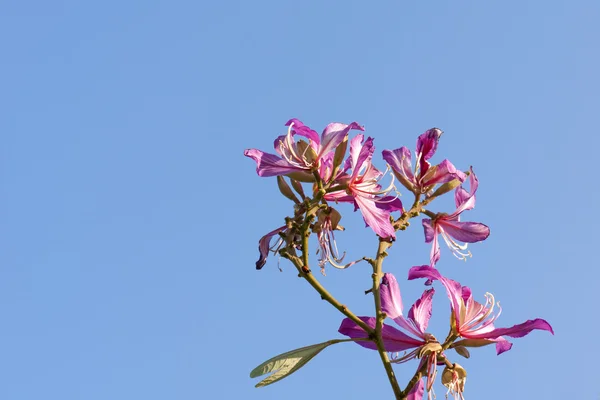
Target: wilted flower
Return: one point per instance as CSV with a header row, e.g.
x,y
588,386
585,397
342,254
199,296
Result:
x,y
454,378
452,229
474,321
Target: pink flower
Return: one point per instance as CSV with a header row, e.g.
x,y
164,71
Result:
x,y
474,321
394,340
425,176
452,229
300,159
363,189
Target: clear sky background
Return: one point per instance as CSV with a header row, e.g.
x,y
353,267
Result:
x,y
129,217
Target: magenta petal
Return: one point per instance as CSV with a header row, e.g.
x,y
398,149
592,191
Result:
x,y
400,162
515,331
468,232
390,204
461,195
300,129
502,345
375,217
391,300
442,173
365,154
269,164
334,134
428,230
263,246
417,391
393,339
427,143
453,289
420,312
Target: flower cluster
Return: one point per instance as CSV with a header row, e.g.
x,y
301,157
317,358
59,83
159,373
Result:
x,y
303,156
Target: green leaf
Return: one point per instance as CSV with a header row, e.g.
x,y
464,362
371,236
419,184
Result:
x,y
287,363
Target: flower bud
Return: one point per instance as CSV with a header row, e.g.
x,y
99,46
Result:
x,y
454,379
340,152
298,188
446,187
285,190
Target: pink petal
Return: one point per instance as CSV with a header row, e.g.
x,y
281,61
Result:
x,y
269,164
428,230
391,300
300,129
417,391
453,289
515,331
400,162
334,134
263,246
442,173
420,312
375,217
468,232
393,339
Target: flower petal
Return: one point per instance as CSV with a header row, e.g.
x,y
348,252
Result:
x,y
400,162
334,134
391,299
468,232
515,331
426,147
377,218
428,230
454,289
465,200
393,339
300,129
442,173
416,393
427,143
420,312
263,246
269,164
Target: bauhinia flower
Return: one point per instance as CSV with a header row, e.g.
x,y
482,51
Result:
x,y
473,321
299,160
361,187
452,229
425,176
415,323
454,378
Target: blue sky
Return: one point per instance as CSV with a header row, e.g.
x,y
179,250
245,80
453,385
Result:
x,y
130,217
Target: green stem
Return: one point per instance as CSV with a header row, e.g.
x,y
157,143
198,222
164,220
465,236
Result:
x,y
377,275
305,272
